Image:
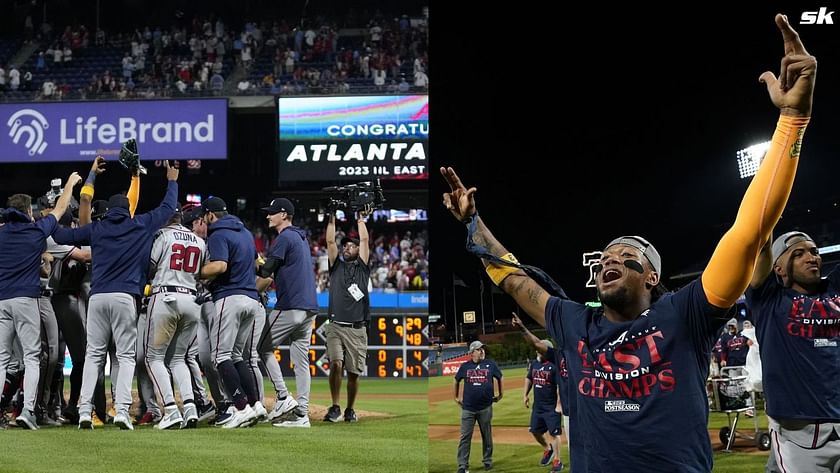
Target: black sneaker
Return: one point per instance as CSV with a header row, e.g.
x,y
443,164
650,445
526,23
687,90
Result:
x,y
4,421
334,414
350,415
71,414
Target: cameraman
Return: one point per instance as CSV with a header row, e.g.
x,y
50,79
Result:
x,y
349,312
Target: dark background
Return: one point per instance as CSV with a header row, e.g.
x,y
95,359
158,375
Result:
x,y
580,125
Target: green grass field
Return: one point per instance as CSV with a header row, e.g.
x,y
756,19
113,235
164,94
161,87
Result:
x,y
394,443
517,457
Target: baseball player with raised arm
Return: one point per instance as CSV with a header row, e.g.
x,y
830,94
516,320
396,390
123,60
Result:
x,y
231,256
120,246
22,243
289,263
177,255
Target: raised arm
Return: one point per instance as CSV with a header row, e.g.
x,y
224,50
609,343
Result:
x,y
364,239
529,337
66,195
731,267
332,247
86,195
524,290
134,193
159,216
764,264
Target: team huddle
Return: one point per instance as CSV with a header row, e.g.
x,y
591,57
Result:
x,y
173,295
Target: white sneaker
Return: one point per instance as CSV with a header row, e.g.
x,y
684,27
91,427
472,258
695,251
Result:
x,y
122,421
262,414
297,422
85,422
190,416
282,408
244,418
169,420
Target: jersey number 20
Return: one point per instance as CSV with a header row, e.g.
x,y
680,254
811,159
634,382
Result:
x,y
184,258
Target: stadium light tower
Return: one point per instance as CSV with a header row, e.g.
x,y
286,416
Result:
x,y
750,158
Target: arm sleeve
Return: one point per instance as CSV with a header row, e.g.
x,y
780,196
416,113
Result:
x,y
279,250
133,194
159,216
461,373
47,225
730,269
157,250
497,373
73,236
217,249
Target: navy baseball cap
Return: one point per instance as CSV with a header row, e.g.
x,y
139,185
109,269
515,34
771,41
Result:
x,y
118,200
98,208
190,213
213,204
281,204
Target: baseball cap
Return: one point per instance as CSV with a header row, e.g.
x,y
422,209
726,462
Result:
x,y
732,321
118,201
281,204
475,346
346,240
548,343
98,208
213,204
642,245
785,241
190,213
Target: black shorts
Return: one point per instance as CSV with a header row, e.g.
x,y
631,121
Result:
x,y
546,421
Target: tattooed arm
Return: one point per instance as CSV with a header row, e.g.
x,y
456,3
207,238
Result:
x,y
524,290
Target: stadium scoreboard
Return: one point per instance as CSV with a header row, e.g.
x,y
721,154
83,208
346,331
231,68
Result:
x,y
398,347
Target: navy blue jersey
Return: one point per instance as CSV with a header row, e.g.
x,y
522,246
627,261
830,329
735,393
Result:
x,y
228,240
21,245
640,381
718,349
294,277
120,244
478,383
800,357
563,381
543,375
735,350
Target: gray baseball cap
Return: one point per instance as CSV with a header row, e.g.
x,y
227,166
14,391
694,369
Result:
x,y
548,343
475,346
642,245
785,241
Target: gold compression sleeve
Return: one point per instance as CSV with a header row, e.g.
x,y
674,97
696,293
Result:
x,y
730,269
133,194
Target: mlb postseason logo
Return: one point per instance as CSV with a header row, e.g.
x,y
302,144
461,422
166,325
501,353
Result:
x,y
620,406
819,17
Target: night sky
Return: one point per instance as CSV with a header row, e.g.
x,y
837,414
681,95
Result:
x,y
655,104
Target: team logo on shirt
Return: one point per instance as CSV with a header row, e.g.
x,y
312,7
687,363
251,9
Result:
x,y
542,377
629,367
814,318
478,376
